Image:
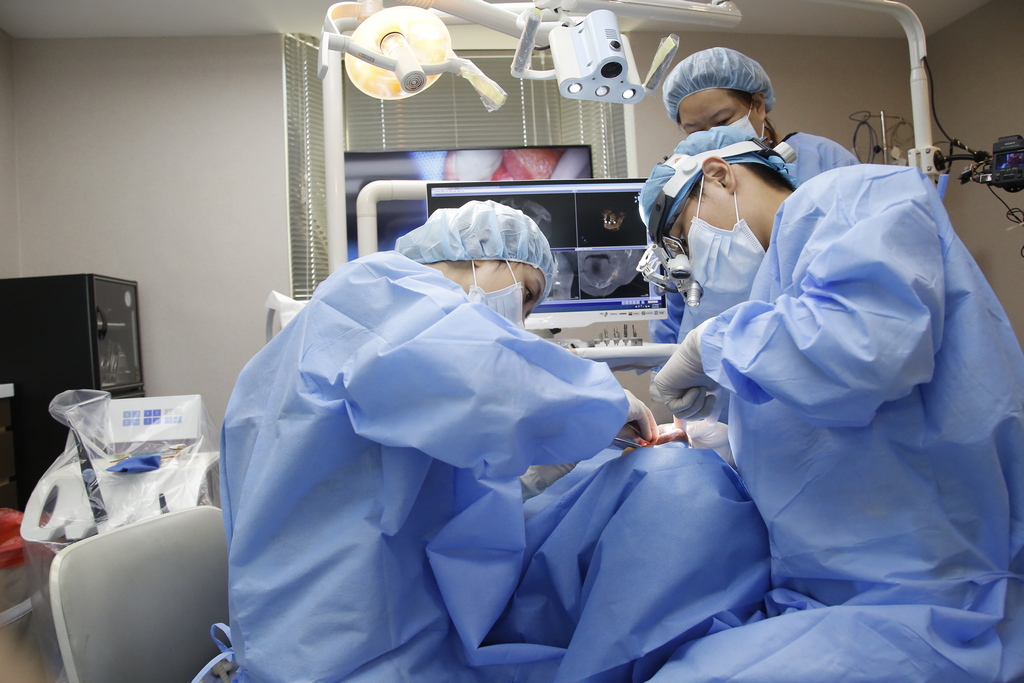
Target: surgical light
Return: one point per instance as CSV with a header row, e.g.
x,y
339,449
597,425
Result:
x,y
409,35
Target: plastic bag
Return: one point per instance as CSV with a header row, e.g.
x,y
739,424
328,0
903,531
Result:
x,y
83,493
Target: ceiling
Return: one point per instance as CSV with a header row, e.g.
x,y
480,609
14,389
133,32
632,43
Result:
x,y
144,18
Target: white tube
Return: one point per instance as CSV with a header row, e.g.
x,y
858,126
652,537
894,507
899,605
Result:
x,y
366,207
334,162
918,78
725,15
908,20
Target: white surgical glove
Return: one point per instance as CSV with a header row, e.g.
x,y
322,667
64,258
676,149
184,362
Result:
x,y
539,477
703,434
644,418
682,384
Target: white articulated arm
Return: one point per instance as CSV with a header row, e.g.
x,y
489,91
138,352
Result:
x,y
366,206
923,156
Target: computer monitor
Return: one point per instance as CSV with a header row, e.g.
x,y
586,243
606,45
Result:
x,y
597,236
397,217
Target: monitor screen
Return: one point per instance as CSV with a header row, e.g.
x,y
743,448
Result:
x,y
397,217
597,236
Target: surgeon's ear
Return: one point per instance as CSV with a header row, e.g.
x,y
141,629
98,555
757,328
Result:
x,y
719,171
757,102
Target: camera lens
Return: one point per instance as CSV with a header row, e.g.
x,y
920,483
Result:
x,y
611,70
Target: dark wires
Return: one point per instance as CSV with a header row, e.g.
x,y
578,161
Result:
x,y
953,142
863,119
981,159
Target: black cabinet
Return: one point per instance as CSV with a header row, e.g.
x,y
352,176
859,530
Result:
x,y
57,333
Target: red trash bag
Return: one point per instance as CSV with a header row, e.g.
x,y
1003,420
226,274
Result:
x,y
10,538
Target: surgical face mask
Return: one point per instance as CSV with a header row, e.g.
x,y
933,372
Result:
x,y
724,262
506,302
746,126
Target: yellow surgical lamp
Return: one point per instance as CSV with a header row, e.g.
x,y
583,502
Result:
x,y
400,51
411,37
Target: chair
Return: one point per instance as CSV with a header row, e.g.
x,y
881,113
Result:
x,y
136,603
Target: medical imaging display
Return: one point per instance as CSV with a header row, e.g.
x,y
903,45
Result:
x,y
397,217
597,236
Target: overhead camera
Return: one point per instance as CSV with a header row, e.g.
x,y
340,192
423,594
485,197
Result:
x,y
593,61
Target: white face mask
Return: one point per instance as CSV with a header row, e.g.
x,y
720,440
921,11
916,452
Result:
x,y
746,126
506,302
724,262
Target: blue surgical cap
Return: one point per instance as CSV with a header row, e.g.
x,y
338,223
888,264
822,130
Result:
x,y
699,143
717,67
480,231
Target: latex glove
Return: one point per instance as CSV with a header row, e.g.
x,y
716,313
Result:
x,y
682,384
539,477
640,414
704,434
668,433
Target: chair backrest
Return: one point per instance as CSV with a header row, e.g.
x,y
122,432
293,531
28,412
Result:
x,y
136,603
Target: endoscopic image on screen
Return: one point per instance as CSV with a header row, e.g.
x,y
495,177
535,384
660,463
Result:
x,y
565,284
611,273
525,163
609,219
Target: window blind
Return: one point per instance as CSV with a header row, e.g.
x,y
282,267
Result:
x,y
307,185
447,115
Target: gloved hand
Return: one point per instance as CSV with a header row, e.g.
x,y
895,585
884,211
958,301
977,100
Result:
x,y
703,434
682,384
643,417
539,477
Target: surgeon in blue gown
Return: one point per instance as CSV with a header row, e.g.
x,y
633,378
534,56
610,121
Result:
x,y
722,87
370,462
875,415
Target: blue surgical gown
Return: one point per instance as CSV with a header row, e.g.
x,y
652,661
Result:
x,y
388,422
814,155
877,420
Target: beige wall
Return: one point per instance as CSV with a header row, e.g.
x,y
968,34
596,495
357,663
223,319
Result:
x,y
818,83
161,161
8,195
979,96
